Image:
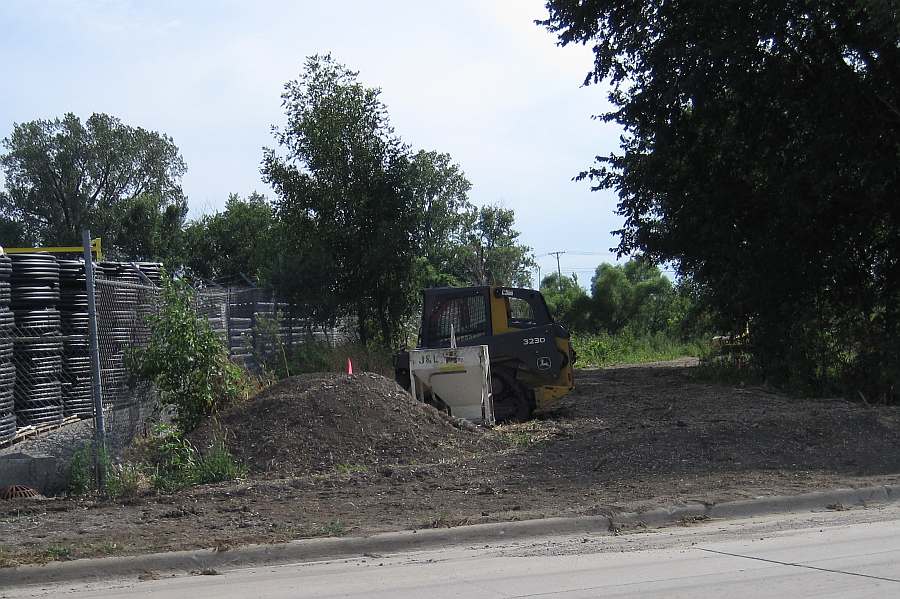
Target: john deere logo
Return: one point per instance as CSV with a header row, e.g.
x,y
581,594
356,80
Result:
x,y
544,363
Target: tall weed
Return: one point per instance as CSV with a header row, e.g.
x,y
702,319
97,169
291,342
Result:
x,y
602,349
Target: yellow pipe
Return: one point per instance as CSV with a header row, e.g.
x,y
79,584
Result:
x,y
96,249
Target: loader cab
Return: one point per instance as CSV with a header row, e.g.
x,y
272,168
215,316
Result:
x,y
519,309
531,356
477,313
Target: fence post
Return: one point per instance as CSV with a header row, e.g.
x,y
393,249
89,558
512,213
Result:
x,y
96,385
228,320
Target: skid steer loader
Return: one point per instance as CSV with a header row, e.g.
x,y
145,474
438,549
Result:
x,y
531,356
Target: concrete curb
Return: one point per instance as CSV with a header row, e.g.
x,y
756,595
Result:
x,y
179,562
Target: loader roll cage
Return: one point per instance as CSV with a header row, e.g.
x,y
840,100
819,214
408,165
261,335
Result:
x,y
469,311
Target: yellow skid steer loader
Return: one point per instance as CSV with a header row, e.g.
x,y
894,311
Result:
x,y
531,356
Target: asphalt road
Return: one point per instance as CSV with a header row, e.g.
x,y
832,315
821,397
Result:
x,y
834,554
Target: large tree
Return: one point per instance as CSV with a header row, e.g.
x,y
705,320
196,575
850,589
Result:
x,y
492,253
635,295
63,175
760,153
342,181
234,245
440,190
566,300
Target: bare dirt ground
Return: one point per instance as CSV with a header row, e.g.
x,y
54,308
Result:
x,y
628,438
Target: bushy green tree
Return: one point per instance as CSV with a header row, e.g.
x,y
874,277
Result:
x,y
343,185
145,228
760,155
234,245
567,300
492,253
634,294
440,190
122,182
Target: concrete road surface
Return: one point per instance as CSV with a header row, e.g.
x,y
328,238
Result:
x,y
834,554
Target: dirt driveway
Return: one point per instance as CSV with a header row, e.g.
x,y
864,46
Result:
x,y
628,438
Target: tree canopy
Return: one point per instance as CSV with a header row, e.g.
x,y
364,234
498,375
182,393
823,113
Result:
x,y
364,222
441,193
343,186
122,182
634,297
492,252
634,294
233,246
567,301
358,225
760,154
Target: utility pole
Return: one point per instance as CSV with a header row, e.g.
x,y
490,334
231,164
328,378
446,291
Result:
x,y
558,269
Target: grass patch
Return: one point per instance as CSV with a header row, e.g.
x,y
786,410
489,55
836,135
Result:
x,y
316,356
599,350
217,465
728,373
106,548
58,552
81,471
334,528
164,460
124,480
729,365
518,438
351,468
175,463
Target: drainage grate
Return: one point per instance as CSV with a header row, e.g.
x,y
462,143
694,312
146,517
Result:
x,y
17,492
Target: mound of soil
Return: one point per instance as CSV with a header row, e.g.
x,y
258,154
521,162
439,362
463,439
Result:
x,y
326,422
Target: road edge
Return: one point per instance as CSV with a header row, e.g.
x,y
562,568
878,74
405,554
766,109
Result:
x,y
306,550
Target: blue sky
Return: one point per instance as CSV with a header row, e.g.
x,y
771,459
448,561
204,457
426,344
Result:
x,y
475,79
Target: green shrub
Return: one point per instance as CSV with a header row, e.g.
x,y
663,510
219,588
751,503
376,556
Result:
x,y
309,356
58,552
186,361
174,463
267,346
334,528
120,480
81,472
164,460
123,480
347,469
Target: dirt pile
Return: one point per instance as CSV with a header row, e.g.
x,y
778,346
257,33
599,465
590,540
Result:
x,y
326,422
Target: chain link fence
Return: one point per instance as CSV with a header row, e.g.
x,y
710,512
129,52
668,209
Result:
x,y
45,359
45,350
255,324
122,327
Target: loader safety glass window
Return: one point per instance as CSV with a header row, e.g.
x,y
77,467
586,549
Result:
x,y
467,315
519,313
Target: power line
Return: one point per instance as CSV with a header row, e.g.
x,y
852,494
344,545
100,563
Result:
x,y
576,253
